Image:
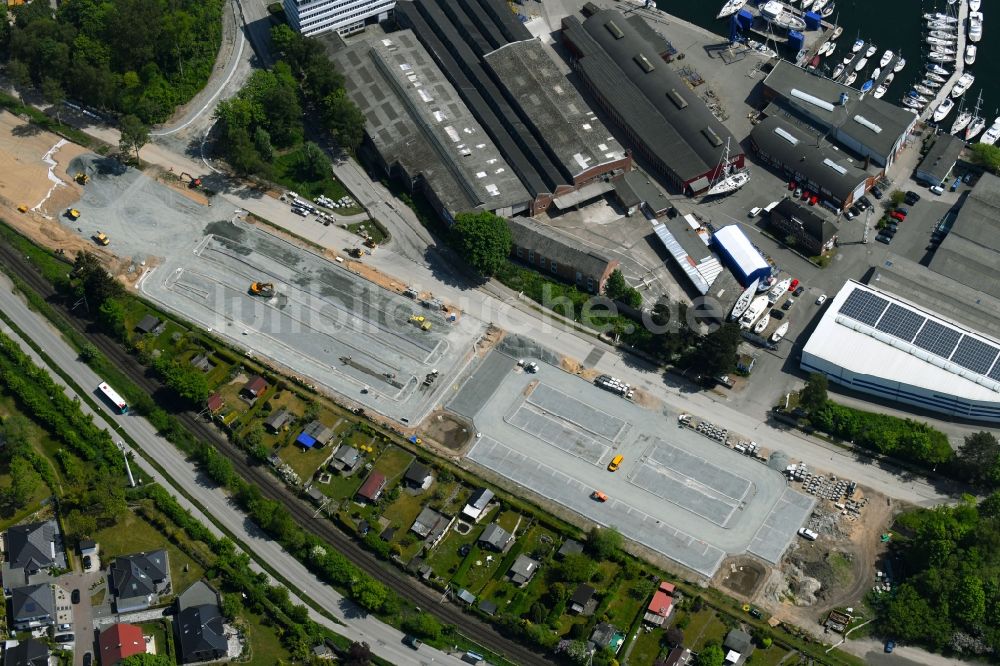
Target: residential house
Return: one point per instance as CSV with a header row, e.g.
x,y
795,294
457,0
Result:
x,y
569,547
418,476
120,641
32,606
430,526
148,324
253,389
202,362
201,635
661,606
323,653
372,488
316,496
31,652
466,596
545,249
495,538
477,504
31,550
315,434
737,646
679,656
88,547
215,403
346,458
523,570
607,635
488,607
583,602
803,227
138,580
278,420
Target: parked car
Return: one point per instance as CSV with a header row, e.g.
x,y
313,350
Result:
x,y
936,189
807,533
896,215
74,596
878,192
87,562
813,199
792,185
798,290
902,209
890,646
797,193
755,211
889,232
911,198
862,204
881,238
955,184
88,659
794,285
821,300
892,227
853,212
805,194
777,314
64,638
787,304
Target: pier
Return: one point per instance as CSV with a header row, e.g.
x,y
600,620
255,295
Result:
x,y
963,14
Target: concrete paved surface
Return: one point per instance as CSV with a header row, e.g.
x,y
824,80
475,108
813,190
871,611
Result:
x,y
675,492
209,499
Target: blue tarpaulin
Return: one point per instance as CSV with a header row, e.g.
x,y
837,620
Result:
x,y
305,440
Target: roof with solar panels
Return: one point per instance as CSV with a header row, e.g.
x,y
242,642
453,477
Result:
x,y
870,331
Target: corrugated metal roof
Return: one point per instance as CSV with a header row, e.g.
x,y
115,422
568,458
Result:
x,y
682,258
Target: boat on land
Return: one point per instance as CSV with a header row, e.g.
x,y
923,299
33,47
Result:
x,y
943,109
757,307
729,179
730,8
777,290
743,302
774,12
780,333
964,83
762,323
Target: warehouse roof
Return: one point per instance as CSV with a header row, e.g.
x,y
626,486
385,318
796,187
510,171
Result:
x,y
941,157
814,224
970,253
789,145
620,58
873,332
416,118
457,42
561,117
544,240
871,122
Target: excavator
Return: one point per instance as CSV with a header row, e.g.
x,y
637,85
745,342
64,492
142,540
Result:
x,y
265,289
193,182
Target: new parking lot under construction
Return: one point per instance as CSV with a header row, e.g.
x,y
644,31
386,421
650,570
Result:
x,y
676,492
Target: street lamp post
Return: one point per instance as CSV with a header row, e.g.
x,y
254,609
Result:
x,y
128,468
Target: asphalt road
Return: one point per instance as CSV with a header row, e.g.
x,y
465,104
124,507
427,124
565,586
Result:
x,y
212,500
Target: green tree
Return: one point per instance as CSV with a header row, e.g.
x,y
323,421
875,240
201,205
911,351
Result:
x,y
483,239
344,120
262,143
969,600
145,659
19,75
53,93
604,543
88,352
814,394
990,507
313,164
24,481
134,135
111,318
987,156
618,289
896,198
422,624
369,593
575,568
710,655
359,654
716,354
979,458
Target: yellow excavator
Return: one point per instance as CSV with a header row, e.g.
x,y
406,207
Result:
x,y
261,289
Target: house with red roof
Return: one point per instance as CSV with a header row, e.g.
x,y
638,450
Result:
x,y
661,606
253,389
120,641
215,403
372,488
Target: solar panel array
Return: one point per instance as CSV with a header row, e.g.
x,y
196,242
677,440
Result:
x,y
932,336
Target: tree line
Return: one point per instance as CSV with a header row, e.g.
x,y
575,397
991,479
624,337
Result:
x,y
143,57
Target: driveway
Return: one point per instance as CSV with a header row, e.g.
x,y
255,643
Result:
x,y
83,617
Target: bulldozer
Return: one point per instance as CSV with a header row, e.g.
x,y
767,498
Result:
x,y
101,239
72,213
261,289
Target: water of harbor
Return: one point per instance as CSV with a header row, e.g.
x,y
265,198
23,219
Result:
x,y
890,24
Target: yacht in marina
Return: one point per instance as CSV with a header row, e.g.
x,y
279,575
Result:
x,y
970,54
964,83
730,8
943,109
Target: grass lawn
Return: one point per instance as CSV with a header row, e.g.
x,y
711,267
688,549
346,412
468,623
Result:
x,y
539,542
404,510
647,648
304,461
449,497
132,534
265,646
507,520
158,630
341,487
630,599
98,598
444,560
772,656
393,462
704,628
285,172
482,569
230,393
374,231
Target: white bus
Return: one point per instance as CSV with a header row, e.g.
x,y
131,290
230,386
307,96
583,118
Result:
x,y
113,398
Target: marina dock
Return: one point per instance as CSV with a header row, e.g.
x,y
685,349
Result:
x,y
963,15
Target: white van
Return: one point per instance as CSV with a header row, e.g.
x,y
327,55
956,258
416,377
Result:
x,y
807,533
771,206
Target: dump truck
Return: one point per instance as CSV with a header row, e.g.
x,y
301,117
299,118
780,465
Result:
x,y
72,213
101,239
261,289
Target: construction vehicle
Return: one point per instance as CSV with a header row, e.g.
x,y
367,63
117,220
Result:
x,y
101,239
370,243
72,213
82,178
193,182
22,208
265,289
355,252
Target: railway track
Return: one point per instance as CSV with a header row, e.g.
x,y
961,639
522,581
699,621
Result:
x,y
427,598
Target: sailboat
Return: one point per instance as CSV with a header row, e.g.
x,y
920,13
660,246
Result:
x,y
730,8
762,324
963,120
780,333
978,123
729,180
743,302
